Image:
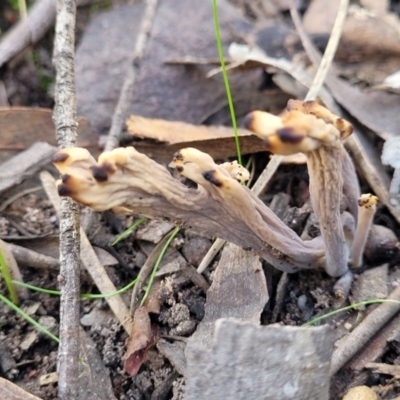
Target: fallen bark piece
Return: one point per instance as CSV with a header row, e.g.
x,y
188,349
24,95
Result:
x,y
239,290
293,364
94,378
10,391
371,284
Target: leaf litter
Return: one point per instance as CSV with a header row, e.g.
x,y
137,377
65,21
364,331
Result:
x,y
183,92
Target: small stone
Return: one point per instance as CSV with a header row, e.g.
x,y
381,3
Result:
x,y
31,308
50,323
29,339
348,326
195,250
360,393
96,316
153,231
184,328
48,379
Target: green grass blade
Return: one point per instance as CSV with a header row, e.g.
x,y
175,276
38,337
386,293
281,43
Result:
x,y
361,303
156,265
127,232
29,318
226,80
7,279
84,295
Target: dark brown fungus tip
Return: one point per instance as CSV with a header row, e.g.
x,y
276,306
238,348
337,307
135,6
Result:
x,y
101,172
60,157
64,191
65,178
248,121
210,177
179,168
177,156
288,135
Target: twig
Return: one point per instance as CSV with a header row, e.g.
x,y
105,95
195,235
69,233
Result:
x,y
330,50
91,261
372,323
17,196
30,29
126,94
66,131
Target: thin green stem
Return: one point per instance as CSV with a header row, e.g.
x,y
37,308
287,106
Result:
x,y
84,295
29,318
127,232
7,279
361,303
226,81
156,265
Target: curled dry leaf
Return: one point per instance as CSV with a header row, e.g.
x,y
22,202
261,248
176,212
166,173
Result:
x,y
143,336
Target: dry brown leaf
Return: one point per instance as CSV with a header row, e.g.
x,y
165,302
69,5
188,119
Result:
x,y
369,48
10,391
143,336
169,136
366,33
20,127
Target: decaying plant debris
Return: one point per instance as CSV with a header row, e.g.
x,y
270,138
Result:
x,y
177,83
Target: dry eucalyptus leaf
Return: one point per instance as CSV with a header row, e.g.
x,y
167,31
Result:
x,y
102,60
163,138
171,92
21,127
366,34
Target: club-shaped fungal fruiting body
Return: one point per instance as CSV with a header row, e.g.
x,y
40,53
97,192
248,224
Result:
x,y
313,130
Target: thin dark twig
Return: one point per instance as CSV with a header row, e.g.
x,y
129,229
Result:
x,y
125,98
66,131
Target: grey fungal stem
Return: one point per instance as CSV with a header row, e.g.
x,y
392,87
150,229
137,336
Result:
x,y
366,211
312,129
326,188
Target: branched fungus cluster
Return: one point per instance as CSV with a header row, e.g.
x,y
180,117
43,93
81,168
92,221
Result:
x,y
129,182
